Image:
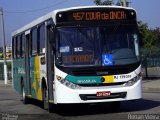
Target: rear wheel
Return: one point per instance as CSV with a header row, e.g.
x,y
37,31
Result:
x,y
25,99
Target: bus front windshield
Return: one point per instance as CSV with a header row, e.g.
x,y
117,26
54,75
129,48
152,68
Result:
x,y
97,46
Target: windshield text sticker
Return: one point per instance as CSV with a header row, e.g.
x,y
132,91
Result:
x,y
78,49
64,49
78,59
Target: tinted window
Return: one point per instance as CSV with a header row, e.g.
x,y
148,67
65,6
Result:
x,y
13,48
34,41
99,46
18,46
22,45
42,39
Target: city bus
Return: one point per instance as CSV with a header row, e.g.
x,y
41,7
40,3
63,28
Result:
x,y
78,55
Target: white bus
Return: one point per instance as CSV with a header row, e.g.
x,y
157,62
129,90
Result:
x,y
79,55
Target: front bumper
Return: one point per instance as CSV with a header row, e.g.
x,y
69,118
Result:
x,y
64,94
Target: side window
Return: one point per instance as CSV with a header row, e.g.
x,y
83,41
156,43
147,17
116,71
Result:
x,y
15,47
42,39
18,46
22,45
28,38
34,41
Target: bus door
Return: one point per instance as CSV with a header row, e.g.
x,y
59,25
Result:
x,y
27,61
50,62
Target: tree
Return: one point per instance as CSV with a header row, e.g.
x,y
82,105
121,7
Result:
x,y
121,3
110,2
156,32
97,2
106,2
148,36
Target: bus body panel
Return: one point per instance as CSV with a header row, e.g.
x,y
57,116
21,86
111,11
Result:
x,y
64,94
37,72
35,77
18,73
67,95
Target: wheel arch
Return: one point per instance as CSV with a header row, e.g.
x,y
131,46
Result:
x,y
43,83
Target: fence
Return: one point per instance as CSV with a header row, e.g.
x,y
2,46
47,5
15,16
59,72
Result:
x,y
151,62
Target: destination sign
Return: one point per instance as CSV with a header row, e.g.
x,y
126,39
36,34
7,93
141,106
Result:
x,y
95,15
113,15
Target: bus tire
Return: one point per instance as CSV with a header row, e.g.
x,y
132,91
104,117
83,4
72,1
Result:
x,y
25,99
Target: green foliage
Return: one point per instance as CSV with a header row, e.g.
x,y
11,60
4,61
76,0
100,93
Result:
x,y
9,69
1,49
97,2
106,2
150,51
9,65
150,37
110,2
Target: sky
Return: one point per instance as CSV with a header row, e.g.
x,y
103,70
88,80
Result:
x,y
18,13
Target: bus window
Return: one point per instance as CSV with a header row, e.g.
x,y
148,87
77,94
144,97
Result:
x,y
15,47
22,45
34,41
18,46
42,39
13,39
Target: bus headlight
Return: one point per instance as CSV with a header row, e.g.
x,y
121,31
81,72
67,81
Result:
x,y
67,83
133,80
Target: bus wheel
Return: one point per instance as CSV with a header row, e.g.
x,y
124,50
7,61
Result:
x,y
24,97
46,105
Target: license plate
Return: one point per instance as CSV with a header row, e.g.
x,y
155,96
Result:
x,y
103,94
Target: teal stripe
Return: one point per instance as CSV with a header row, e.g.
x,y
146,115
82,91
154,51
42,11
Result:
x,y
32,66
84,79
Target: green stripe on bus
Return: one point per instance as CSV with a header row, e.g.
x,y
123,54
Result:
x,y
84,79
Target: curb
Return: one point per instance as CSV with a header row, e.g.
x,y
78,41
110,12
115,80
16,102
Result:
x,y
3,85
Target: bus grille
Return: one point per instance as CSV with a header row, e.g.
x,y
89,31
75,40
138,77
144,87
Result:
x,y
96,72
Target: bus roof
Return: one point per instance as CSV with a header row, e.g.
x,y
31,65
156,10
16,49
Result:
x,y
53,14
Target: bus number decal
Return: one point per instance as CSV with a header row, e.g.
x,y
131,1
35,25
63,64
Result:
x,y
125,76
122,76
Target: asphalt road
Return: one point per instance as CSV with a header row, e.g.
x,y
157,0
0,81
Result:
x,y
11,106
